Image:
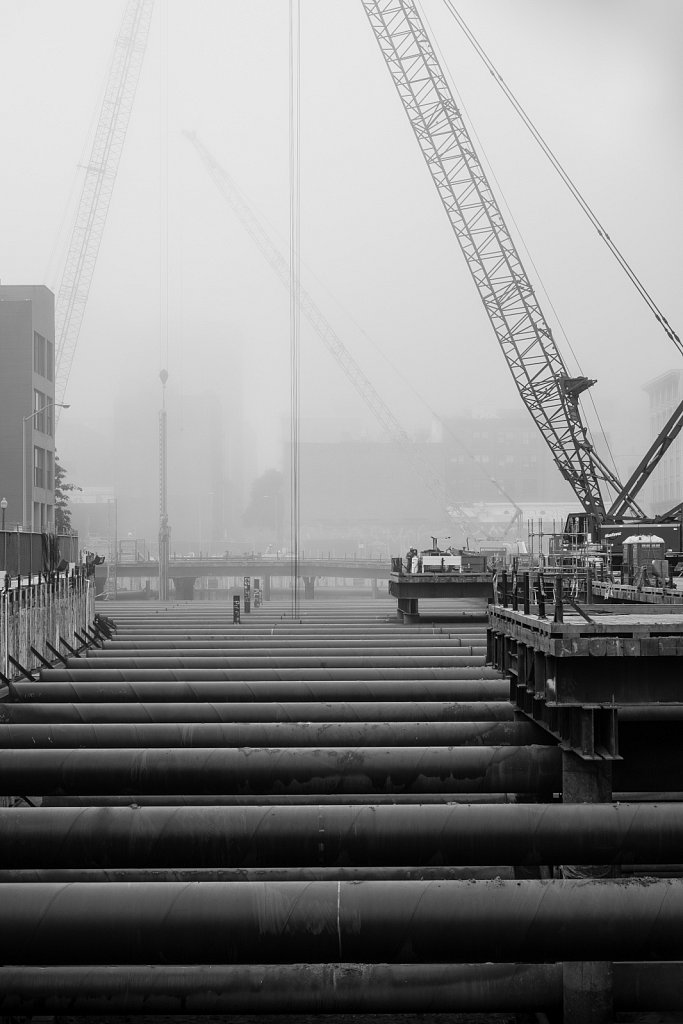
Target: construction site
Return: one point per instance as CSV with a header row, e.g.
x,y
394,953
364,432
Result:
x,y
246,773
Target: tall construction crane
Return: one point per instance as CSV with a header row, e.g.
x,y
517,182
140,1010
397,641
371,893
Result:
x,y
550,393
98,185
461,516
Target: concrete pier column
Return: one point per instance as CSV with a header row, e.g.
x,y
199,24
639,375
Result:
x,y
375,589
309,587
266,587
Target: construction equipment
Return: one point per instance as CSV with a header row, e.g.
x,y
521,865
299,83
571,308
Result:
x,y
98,185
548,390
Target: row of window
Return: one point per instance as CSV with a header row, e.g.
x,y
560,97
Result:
x,y
43,356
43,468
44,412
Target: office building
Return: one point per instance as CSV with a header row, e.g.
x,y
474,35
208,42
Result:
x,y
666,484
27,410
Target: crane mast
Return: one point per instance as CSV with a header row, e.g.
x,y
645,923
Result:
x,y
100,176
548,390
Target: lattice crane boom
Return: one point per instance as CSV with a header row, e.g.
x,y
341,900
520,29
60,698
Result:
x,y
98,185
544,383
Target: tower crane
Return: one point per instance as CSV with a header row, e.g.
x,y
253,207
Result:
x,y
98,185
469,523
550,393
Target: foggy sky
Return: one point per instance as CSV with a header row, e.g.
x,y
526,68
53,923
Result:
x,y
602,80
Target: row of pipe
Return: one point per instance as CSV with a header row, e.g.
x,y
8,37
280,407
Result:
x,y
375,835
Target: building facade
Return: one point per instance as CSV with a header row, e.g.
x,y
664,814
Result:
x,y
27,406
666,484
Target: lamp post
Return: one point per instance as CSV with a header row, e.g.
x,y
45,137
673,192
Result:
x,y
3,506
28,520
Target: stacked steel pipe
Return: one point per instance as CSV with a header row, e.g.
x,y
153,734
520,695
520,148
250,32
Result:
x,y
338,814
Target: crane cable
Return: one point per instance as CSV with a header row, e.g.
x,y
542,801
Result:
x,y
294,286
525,247
573,188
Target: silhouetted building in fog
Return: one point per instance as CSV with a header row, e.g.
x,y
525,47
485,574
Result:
x,y
666,484
508,448
27,412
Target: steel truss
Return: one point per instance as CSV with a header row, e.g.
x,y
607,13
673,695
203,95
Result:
x,y
100,176
547,389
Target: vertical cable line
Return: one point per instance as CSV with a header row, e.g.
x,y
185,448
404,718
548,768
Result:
x,y
294,284
163,191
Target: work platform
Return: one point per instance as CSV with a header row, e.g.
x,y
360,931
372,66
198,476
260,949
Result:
x,y
409,588
577,678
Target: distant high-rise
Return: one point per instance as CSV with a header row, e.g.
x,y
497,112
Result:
x,y
27,410
666,484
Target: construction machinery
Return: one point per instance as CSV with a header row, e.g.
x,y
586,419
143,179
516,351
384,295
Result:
x,y
549,391
98,184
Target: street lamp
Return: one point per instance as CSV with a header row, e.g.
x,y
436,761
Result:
x,y
28,520
3,506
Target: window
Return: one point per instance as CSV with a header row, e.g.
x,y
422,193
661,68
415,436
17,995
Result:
x,y
50,417
39,353
49,484
50,360
38,467
39,402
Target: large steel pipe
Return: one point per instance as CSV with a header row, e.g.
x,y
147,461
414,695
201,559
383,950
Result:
x,y
280,988
276,734
271,674
260,667
271,800
372,835
334,645
286,770
293,711
320,989
323,922
329,874
163,691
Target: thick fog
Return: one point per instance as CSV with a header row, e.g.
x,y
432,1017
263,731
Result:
x,y
603,83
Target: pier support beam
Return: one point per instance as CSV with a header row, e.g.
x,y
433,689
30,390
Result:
x,y
585,781
407,609
588,992
184,587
